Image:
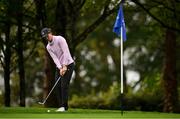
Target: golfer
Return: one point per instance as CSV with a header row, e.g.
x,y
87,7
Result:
x,y
59,51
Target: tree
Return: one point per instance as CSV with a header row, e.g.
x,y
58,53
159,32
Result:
x,y
169,73
41,16
166,13
7,50
20,50
64,20
13,43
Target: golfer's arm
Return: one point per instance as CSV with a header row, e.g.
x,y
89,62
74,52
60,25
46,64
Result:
x,y
63,44
55,59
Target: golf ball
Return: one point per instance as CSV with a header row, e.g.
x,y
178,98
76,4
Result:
x,y
48,110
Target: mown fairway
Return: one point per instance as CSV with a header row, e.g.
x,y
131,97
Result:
x,y
36,113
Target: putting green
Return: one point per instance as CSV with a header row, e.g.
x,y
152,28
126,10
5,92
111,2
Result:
x,y
37,113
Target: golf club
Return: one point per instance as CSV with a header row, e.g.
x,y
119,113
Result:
x,y
42,103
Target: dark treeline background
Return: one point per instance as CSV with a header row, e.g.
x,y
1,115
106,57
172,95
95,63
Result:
x,y
151,53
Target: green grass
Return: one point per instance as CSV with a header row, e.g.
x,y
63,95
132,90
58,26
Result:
x,y
41,113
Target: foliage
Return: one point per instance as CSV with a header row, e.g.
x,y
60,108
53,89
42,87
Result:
x,y
146,99
97,58
98,100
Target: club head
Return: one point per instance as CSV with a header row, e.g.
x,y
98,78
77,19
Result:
x,y
41,103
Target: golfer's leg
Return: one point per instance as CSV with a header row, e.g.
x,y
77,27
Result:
x,y
65,85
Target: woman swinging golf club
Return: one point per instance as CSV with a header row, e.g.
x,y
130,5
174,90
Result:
x,y
59,51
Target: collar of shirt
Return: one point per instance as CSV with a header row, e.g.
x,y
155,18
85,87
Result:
x,y
51,42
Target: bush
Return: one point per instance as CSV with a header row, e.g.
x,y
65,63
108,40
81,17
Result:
x,y
141,100
101,100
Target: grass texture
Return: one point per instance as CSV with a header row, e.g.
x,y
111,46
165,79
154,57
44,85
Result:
x,y
41,113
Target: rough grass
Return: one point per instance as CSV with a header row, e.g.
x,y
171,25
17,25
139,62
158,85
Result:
x,y
37,113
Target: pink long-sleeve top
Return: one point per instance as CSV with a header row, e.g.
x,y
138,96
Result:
x,y
59,51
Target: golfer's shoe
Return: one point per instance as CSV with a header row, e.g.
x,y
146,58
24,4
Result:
x,y
61,109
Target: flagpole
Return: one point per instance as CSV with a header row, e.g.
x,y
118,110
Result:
x,y
122,71
121,61
119,29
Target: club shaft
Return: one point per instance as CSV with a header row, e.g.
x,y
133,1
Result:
x,y
51,90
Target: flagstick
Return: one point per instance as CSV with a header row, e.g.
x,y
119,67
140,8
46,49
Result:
x,y
121,70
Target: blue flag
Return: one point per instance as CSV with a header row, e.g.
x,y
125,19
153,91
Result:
x,y
120,23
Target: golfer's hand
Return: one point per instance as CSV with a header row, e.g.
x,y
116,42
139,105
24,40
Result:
x,y
63,70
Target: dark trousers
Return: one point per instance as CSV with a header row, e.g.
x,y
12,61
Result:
x,y
63,86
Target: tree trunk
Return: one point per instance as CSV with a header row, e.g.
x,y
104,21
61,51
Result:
x,y
169,73
61,18
20,41
49,64
7,56
49,82
76,86
22,91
